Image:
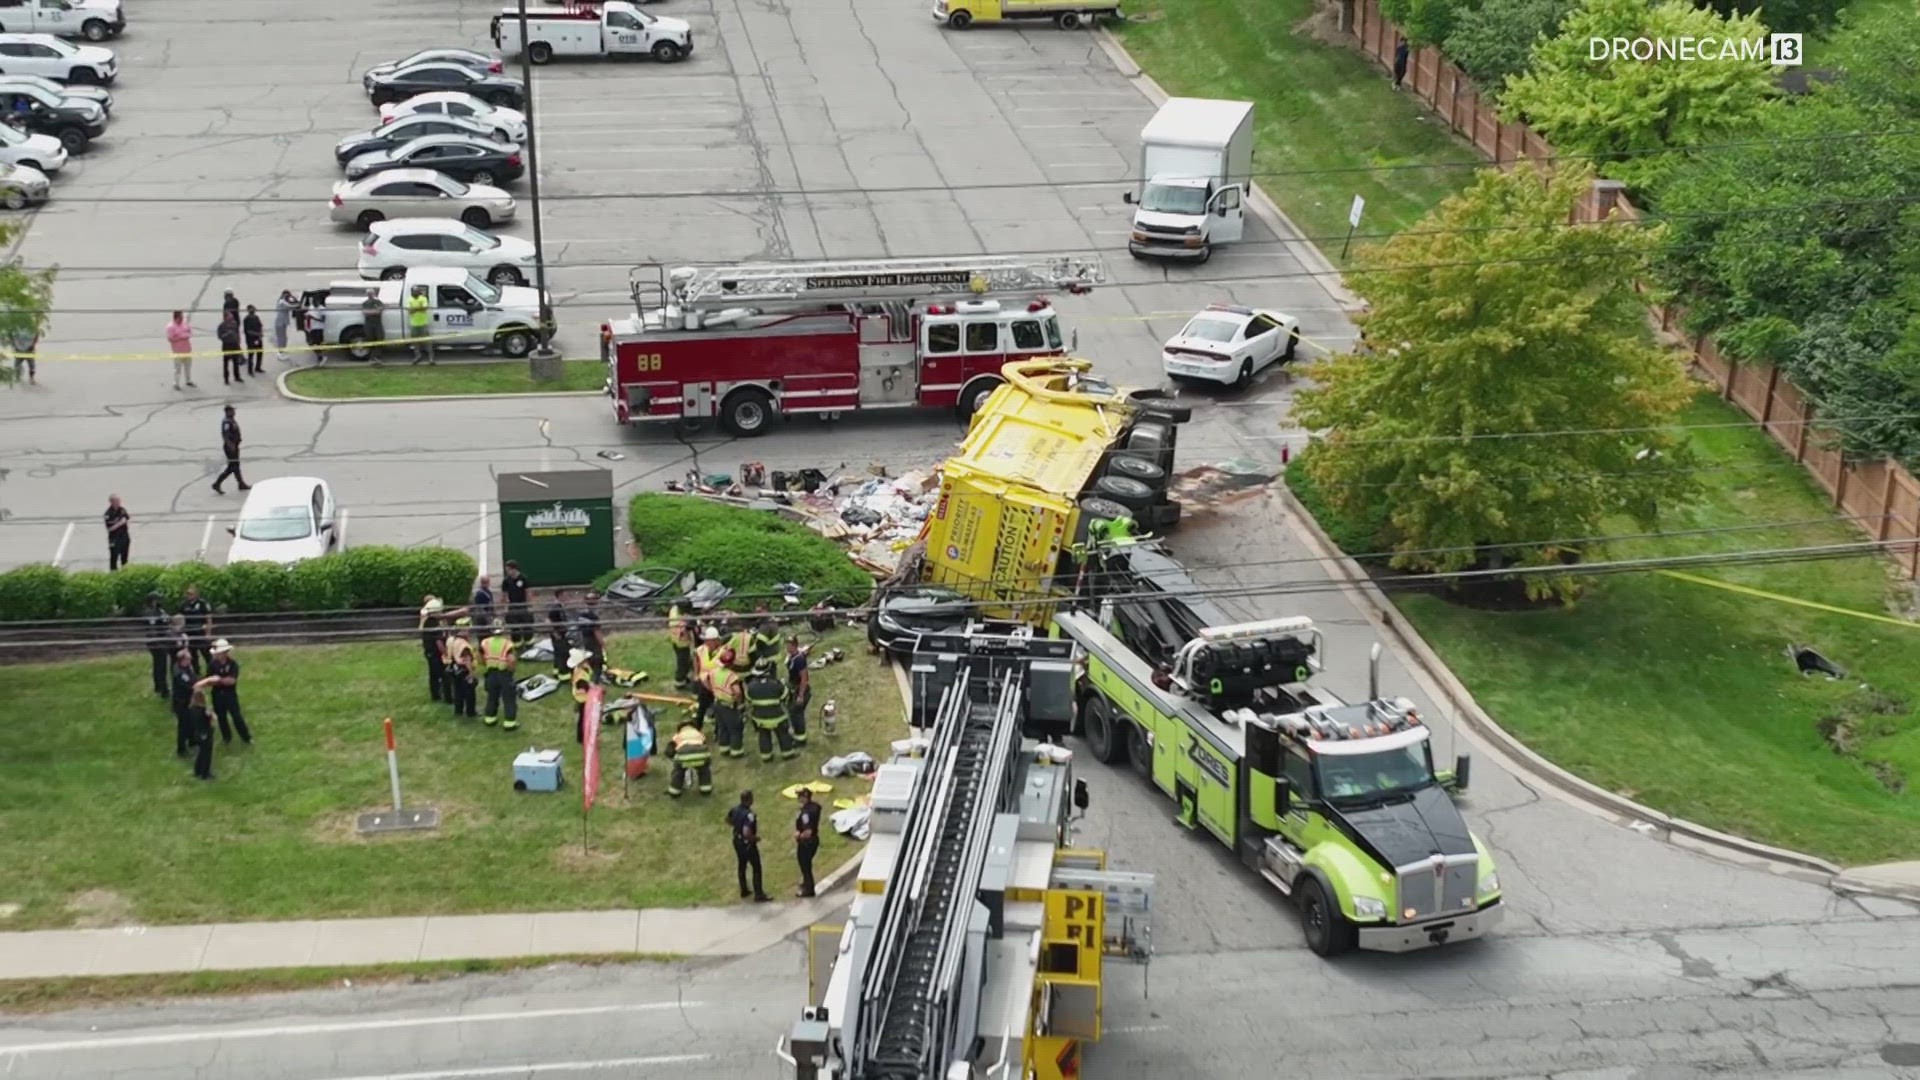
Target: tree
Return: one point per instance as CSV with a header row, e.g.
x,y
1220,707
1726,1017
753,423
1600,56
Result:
x,y
1627,113
1784,15
1496,40
25,296
1492,320
1425,22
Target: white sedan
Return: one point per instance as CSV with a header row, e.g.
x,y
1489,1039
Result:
x,y
286,519
510,125
1229,344
391,248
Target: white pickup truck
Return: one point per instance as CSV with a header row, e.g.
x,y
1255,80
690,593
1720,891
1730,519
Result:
x,y
95,20
615,28
467,313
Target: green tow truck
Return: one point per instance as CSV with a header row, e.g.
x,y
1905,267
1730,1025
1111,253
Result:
x,y
1337,805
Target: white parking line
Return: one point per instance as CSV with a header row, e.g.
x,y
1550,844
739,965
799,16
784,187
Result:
x,y
544,1067
206,537
483,538
60,552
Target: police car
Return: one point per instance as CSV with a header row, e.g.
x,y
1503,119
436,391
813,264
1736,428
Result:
x,y
1229,344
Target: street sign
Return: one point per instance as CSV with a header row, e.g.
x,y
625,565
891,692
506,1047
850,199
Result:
x,y
1353,214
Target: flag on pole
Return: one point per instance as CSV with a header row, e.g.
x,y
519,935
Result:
x,y
590,783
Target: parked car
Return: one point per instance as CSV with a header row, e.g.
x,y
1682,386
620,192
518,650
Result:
x,y
463,157
285,520
21,187
391,248
426,78
99,95
41,152
509,125
478,61
1229,344
403,131
75,122
418,193
52,58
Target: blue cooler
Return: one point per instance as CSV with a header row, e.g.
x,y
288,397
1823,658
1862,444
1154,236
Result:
x,y
537,770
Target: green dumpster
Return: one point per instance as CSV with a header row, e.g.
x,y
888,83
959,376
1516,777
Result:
x,y
557,525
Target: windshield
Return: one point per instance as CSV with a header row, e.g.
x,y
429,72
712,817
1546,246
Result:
x,y
278,523
1210,330
1168,199
482,291
481,241
1362,778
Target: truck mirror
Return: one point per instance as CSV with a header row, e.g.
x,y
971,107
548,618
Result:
x,y
1127,197
1222,211
1462,769
1081,800
1282,795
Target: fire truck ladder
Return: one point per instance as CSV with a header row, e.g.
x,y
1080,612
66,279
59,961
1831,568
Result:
x,y
909,997
965,277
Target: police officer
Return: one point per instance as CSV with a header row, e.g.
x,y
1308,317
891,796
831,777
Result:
x,y
497,661
806,839
461,673
482,606
159,642
680,636
183,679
766,637
199,617
705,659
230,448
581,663
767,705
223,675
746,846
558,621
433,646
799,689
690,755
726,686
519,614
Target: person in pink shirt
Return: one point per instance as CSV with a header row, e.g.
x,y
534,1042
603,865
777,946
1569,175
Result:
x,y
180,340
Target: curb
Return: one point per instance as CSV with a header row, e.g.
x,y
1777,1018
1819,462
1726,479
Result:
x,y
1475,719
1312,259
280,385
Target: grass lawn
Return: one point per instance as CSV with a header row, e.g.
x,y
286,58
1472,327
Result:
x,y
1318,107
401,379
1680,695
104,825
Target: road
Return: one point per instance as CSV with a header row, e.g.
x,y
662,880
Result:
x,y
1621,956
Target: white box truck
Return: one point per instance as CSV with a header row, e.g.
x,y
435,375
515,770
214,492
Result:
x,y
1196,168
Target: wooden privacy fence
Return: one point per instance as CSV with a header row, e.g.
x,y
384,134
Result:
x,y
1880,497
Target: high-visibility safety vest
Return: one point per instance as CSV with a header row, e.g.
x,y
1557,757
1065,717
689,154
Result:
x,y
459,651
417,309
706,658
742,645
725,684
582,682
496,652
765,643
677,631
689,747
767,700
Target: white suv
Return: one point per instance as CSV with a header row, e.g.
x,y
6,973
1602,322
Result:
x,y
43,152
63,61
391,248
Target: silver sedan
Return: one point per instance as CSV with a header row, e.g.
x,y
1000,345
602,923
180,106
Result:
x,y
405,193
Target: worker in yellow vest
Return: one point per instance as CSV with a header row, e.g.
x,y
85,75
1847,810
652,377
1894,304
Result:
x,y
767,705
680,636
581,663
689,754
730,729
461,676
705,659
496,664
740,644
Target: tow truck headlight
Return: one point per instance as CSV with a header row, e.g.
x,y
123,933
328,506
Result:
x,y
1366,907
1489,885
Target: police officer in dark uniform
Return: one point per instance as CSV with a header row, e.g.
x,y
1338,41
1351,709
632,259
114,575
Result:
x,y
201,728
559,621
230,447
159,642
799,689
199,616
519,614
746,846
806,839
482,606
184,678
223,673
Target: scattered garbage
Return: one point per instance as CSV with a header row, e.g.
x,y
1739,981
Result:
x,y
612,455
855,822
857,763
540,652
706,596
1810,662
830,716
539,686
650,585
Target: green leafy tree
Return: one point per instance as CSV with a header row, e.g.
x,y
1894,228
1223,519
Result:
x,y
1788,15
1627,112
1496,40
25,296
1494,317
1425,22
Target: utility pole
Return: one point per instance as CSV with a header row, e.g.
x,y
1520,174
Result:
x,y
544,362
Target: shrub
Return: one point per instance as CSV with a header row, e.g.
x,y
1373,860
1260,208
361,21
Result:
x,y
30,592
1425,22
373,575
132,583
444,572
257,586
318,585
1496,39
750,551
175,579
87,594
1359,534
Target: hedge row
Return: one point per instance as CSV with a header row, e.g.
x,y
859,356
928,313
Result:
x,y
750,551
365,577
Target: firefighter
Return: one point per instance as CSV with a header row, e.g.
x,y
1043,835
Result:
x,y
767,704
725,686
680,636
690,755
766,637
581,663
705,659
799,689
740,644
433,646
559,619
497,662
461,675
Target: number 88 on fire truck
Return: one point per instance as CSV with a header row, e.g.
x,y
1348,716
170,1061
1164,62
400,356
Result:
x,y
745,344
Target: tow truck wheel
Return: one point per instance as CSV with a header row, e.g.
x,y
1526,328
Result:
x,y
666,52
1097,727
960,20
1328,932
539,52
1139,753
747,413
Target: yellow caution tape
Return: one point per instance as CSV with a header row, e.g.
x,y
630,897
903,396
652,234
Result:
x,y
468,339
1794,600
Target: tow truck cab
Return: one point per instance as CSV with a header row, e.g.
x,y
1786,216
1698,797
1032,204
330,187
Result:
x,y
613,28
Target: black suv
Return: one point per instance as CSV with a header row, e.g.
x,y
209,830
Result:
x,y
74,121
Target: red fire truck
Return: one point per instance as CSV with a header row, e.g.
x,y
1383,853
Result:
x,y
752,342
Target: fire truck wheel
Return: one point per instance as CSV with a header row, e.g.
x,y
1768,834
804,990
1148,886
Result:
x,y
747,413
974,395
1124,490
960,20
1097,726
